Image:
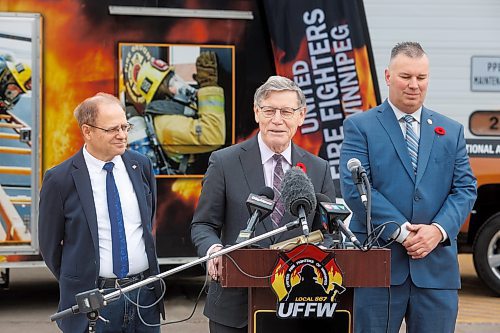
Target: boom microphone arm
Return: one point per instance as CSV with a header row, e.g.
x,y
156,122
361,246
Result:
x,y
91,301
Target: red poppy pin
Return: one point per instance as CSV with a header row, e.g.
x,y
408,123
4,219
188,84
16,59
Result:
x,y
302,166
439,130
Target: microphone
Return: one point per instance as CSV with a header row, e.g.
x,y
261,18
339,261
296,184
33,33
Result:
x,y
297,194
332,235
337,213
259,207
357,172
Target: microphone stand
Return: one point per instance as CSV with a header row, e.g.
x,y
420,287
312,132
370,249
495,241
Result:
x,y
91,301
366,181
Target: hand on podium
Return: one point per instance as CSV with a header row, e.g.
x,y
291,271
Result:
x,y
213,265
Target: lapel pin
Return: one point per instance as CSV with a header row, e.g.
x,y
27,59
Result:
x,y
429,121
134,166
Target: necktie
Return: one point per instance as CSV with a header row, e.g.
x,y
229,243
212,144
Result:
x,y
118,238
411,141
278,174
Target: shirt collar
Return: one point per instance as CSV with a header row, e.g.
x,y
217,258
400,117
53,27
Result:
x,y
266,153
400,114
96,165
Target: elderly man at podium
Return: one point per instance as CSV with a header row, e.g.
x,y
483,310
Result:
x,y
235,172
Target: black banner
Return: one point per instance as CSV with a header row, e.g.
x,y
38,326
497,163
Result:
x,y
323,45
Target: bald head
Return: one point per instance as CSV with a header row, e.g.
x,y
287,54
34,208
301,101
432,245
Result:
x,y
86,112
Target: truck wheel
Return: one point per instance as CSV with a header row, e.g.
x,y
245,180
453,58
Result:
x,y
486,253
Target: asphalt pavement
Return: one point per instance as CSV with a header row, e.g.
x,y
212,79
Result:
x,y
32,297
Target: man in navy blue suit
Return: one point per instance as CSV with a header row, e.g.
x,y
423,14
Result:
x,y
77,222
420,177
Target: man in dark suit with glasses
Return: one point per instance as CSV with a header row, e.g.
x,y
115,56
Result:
x,y
235,172
96,219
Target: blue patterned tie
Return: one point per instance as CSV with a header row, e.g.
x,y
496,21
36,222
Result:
x,y
411,141
118,238
278,174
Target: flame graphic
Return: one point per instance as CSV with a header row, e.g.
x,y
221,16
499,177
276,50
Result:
x,y
333,275
278,281
365,79
79,43
188,189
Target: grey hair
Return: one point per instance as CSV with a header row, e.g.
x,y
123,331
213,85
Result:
x,y
86,112
278,83
409,49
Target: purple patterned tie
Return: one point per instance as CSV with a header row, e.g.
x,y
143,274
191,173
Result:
x,y
278,174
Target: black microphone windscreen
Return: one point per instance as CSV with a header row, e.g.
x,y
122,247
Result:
x,y
266,192
297,190
320,197
353,163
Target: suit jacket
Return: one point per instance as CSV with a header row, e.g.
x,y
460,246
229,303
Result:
x,y
442,191
233,173
68,227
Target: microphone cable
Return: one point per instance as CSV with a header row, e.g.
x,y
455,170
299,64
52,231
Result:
x,y
288,261
203,287
388,322
139,306
163,284
373,239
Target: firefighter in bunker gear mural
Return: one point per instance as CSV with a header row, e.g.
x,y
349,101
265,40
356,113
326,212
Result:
x,y
179,120
15,80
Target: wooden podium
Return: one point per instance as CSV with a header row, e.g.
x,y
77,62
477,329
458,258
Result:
x,y
360,269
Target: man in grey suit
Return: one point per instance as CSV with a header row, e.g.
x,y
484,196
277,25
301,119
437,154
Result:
x,y
88,241
417,164
235,172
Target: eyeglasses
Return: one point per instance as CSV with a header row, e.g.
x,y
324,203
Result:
x,y
285,112
114,130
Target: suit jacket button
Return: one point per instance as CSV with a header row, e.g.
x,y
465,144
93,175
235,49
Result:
x,y
416,198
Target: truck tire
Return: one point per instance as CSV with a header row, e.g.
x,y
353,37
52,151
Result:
x,y
486,253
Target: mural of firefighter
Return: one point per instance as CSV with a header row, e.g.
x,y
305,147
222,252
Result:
x,y
15,80
16,122
178,112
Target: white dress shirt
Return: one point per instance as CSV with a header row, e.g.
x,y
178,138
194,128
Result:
x,y
417,115
268,162
137,258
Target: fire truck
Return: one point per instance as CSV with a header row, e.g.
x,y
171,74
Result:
x,y
77,48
